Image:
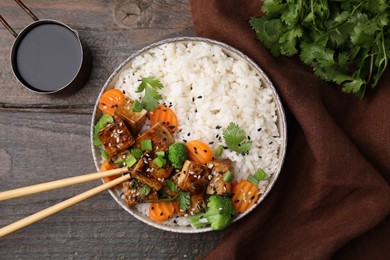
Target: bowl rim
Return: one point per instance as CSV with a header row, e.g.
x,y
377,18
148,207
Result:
x,y
281,123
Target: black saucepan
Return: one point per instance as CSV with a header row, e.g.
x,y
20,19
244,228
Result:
x,y
48,56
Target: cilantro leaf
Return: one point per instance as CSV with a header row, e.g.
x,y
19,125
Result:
x,y
345,42
235,139
269,31
288,41
184,200
150,85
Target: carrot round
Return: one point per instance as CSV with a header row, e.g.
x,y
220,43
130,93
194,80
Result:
x,y
199,152
166,116
105,167
110,100
245,195
161,211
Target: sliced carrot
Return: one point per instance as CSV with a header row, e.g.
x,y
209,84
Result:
x,y
245,195
105,167
161,211
166,116
199,152
110,100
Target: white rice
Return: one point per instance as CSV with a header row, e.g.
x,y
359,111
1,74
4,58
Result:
x,y
224,90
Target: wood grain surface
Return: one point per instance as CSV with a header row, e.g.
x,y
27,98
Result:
x,y
46,137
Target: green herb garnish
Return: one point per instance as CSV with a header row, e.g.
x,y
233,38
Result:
x,y
137,153
160,162
102,122
130,161
184,200
137,106
171,185
160,153
145,190
151,97
104,154
227,177
218,151
252,179
235,139
146,145
119,161
260,174
345,42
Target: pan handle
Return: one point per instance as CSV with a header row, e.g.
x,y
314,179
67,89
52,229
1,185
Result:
x,y
8,27
25,8
28,11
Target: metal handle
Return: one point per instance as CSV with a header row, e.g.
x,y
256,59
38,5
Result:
x,y
28,11
9,28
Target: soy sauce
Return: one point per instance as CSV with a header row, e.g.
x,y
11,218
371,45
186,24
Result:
x,y
48,57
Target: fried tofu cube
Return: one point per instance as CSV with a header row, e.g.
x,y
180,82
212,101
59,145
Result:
x,y
198,204
134,120
160,136
148,173
133,197
193,177
116,137
118,160
217,185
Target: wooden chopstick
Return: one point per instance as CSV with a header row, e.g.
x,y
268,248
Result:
x,y
5,195
60,206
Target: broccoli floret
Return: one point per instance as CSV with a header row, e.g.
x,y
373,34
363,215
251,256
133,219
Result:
x,y
177,154
219,214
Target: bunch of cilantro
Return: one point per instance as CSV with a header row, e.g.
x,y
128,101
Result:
x,y
346,42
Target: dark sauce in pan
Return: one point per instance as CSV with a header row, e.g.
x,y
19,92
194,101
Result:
x,y
48,57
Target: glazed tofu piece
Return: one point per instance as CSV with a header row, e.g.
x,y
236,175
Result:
x,y
217,185
148,173
133,197
220,166
197,204
116,137
118,160
134,120
160,136
194,177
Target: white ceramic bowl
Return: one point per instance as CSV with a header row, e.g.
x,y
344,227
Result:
x,y
281,123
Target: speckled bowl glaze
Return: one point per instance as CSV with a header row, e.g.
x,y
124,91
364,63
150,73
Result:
x,y
281,123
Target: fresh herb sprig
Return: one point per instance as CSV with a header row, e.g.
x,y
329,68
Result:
x,y
235,139
184,200
150,85
345,42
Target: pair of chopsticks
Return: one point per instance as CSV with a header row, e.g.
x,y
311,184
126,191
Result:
x,y
64,204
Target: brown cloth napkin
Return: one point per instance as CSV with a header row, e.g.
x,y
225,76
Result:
x,y
332,198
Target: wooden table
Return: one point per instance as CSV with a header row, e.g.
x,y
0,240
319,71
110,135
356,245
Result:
x,y
46,137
